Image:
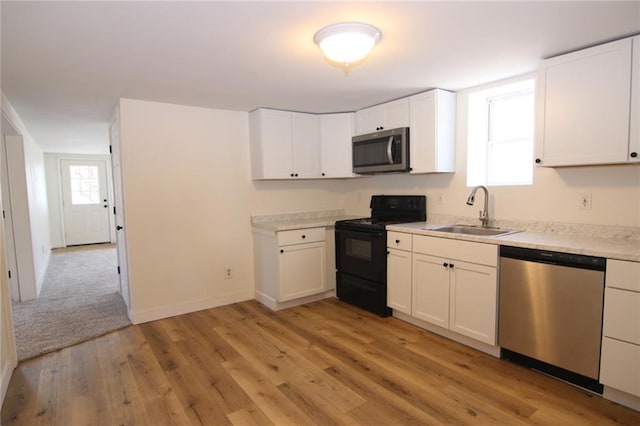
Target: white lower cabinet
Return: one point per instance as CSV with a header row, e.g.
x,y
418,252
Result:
x,y
456,295
620,366
399,280
620,357
473,301
399,271
302,269
453,284
430,290
290,266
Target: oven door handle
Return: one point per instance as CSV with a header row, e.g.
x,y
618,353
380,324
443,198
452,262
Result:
x,y
360,233
389,150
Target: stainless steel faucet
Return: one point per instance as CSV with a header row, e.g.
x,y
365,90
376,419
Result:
x,y
484,213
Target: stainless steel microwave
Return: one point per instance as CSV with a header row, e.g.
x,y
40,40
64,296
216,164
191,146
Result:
x,y
381,152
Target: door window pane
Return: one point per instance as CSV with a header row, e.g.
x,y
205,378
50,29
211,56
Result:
x,y
85,185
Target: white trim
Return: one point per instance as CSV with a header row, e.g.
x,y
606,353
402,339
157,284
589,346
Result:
x,y
5,378
166,311
274,305
43,272
467,341
622,398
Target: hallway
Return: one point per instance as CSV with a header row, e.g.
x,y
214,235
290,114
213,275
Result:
x,y
79,300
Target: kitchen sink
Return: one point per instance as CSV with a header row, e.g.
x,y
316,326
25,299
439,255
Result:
x,y
472,230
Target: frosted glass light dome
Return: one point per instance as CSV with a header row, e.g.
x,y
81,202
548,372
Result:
x,y
347,42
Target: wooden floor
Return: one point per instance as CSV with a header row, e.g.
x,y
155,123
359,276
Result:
x,y
324,363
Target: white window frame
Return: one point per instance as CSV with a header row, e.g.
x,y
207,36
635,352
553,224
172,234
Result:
x,y
478,133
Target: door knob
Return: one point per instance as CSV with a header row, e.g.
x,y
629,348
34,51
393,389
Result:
x,y
118,228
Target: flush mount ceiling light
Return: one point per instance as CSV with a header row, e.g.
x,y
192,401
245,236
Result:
x,y
347,43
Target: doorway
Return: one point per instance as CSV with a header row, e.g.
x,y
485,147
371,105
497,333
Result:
x,y
85,203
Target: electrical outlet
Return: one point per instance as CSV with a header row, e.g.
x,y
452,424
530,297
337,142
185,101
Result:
x,y
585,201
228,274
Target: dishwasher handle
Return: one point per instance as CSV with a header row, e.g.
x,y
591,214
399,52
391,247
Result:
x,y
555,258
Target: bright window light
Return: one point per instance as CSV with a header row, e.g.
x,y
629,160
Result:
x,y
500,135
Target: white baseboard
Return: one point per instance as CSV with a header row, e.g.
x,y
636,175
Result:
x,y
43,272
467,341
622,398
274,305
5,378
166,311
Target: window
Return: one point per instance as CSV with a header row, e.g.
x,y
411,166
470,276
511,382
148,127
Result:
x,y
85,185
500,135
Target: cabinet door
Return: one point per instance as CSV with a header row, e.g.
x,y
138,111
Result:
x,y
473,301
305,131
622,315
432,123
583,115
634,131
430,298
620,366
336,131
396,114
399,280
369,120
302,269
271,144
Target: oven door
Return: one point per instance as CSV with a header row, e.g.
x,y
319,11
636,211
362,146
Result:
x,y
362,254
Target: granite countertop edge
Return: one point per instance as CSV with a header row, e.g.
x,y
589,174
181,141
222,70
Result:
x,y
611,248
621,243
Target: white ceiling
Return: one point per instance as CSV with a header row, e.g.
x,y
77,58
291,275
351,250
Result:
x,y
65,64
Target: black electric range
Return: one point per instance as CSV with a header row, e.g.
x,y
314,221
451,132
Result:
x,y
361,250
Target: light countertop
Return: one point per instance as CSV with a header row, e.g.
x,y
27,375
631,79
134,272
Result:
x,y
612,242
609,247
299,220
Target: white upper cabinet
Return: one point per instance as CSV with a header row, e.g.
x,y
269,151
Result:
x,y
389,115
270,136
583,111
634,132
336,154
432,132
305,145
294,145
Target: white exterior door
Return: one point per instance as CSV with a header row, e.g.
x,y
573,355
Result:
x,y
121,241
85,202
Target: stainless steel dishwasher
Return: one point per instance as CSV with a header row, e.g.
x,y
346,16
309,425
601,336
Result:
x,y
550,313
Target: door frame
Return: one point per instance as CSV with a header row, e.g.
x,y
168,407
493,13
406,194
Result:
x,y
119,213
109,195
53,170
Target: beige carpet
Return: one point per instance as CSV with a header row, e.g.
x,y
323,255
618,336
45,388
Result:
x,y
79,300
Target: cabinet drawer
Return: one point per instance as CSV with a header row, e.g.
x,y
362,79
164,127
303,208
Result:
x,y
399,240
621,274
622,315
484,254
299,236
620,366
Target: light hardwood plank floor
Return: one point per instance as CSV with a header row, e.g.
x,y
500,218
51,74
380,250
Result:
x,y
325,363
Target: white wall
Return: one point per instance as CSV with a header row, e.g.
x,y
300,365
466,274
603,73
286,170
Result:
x,y
8,359
553,197
189,197
36,246
54,192
38,208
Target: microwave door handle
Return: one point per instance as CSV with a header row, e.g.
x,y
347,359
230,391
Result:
x,y
389,150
